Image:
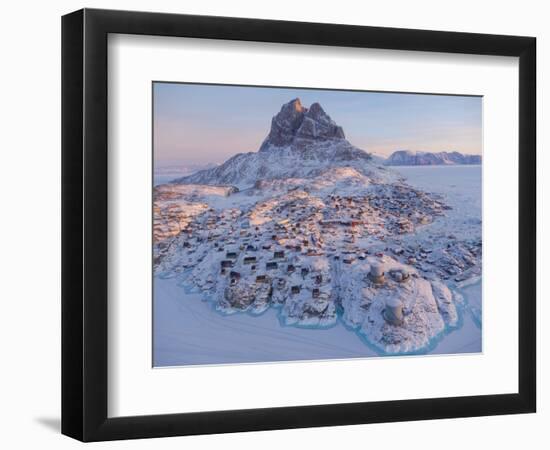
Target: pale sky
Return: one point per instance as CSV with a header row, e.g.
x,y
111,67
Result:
x,y
209,123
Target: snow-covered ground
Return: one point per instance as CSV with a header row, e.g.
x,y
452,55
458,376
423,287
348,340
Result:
x,y
166,173
190,331
462,188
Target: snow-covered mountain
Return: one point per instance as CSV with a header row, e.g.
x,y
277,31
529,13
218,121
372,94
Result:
x,y
302,143
409,158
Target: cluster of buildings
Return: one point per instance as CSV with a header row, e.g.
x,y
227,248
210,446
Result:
x,y
294,245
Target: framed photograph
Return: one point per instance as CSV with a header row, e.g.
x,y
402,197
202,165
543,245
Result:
x,y
273,224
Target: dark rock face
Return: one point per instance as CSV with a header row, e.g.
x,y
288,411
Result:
x,y
295,123
285,124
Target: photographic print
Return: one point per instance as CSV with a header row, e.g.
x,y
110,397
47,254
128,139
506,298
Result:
x,y
311,224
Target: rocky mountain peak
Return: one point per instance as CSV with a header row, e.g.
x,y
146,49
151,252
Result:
x,y
295,123
298,107
317,112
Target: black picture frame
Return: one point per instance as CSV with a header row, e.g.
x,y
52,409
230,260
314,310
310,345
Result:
x,y
84,224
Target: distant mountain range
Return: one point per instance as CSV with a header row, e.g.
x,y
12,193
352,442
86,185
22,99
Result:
x,y
409,158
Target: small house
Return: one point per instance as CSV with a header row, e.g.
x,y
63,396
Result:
x,y
235,275
295,289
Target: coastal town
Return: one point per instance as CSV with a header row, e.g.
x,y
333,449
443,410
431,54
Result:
x,y
321,231
304,249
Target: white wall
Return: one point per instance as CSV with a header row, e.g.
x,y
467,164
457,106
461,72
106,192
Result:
x,y
30,251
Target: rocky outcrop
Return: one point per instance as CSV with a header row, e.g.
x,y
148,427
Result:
x,y
295,124
285,125
423,308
